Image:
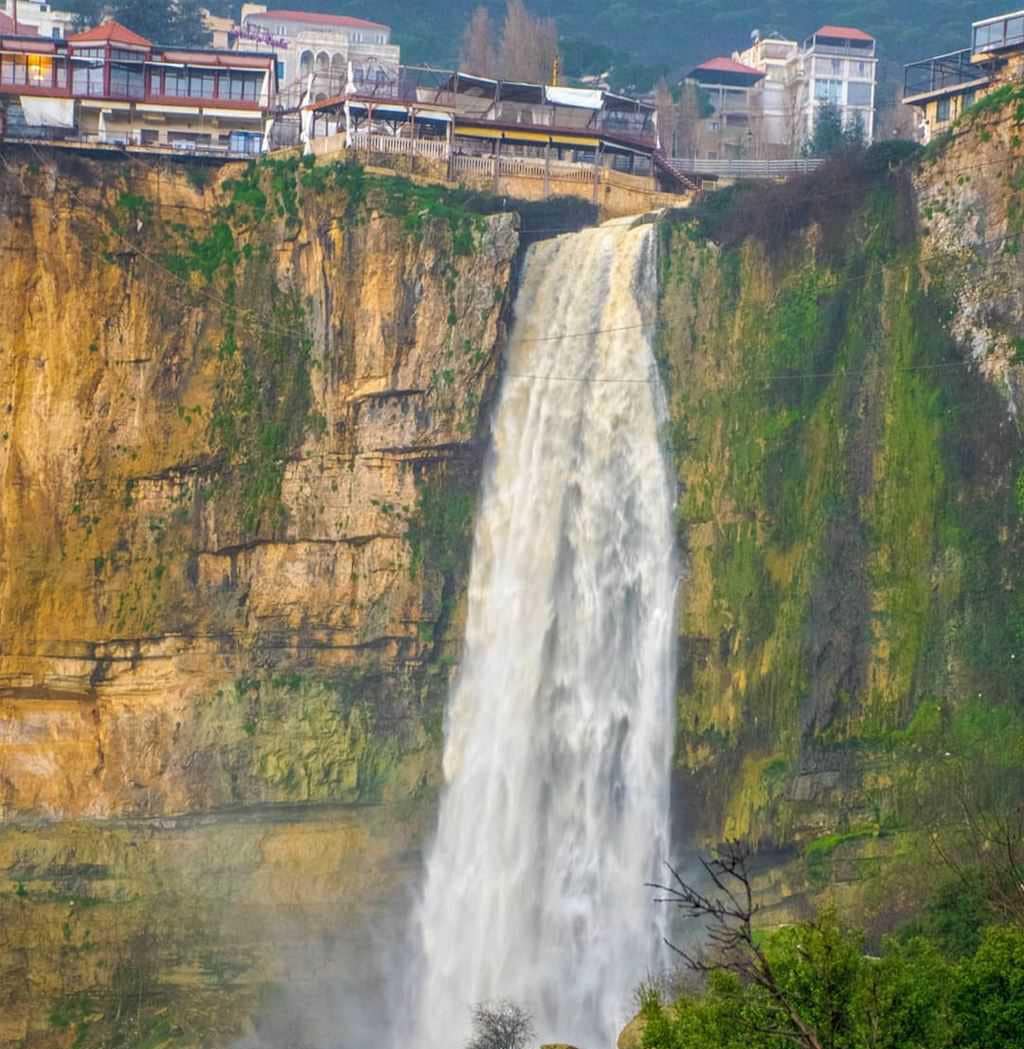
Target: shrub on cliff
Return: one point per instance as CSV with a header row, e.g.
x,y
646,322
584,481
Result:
x,y
811,984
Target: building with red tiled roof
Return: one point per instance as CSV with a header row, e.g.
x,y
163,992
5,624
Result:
x,y
109,86
763,103
110,31
840,32
726,71
316,19
325,47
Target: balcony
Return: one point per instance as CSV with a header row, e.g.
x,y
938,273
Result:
x,y
944,73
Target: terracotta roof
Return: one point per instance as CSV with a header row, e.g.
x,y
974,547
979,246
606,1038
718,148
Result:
x,y
112,32
841,32
7,26
727,65
312,18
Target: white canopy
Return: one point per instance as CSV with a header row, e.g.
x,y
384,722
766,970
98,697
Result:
x,y
48,112
577,97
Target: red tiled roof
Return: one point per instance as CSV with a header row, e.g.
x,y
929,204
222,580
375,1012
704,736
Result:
x,y
7,26
841,32
727,65
312,18
112,32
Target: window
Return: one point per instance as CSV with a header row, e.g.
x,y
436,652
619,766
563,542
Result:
x,y
828,90
837,66
862,69
126,80
281,69
241,87
13,69
858,94
200,83
87,79
1014,30
40,70
175,83
942,110
970,97
57,33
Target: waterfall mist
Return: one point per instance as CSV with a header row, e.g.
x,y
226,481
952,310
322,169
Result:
x,y
560,726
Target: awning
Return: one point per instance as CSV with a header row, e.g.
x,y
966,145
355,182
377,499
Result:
x,y
48,112
577,97
391,111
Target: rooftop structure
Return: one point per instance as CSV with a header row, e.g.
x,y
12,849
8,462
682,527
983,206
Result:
x,y
482,116
109,86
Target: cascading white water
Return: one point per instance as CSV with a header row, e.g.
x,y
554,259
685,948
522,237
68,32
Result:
x,y
560,726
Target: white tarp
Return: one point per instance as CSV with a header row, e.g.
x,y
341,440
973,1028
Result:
x,y
578,97
48,112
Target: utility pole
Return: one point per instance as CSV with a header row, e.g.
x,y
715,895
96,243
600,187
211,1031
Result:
x,y
15,17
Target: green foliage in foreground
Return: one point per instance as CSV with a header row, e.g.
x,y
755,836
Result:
x,y
912,996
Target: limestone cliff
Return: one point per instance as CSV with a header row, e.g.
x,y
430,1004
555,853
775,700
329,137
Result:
x,y
844,361
240,437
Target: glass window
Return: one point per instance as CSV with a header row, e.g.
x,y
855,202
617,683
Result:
x,y
837,65
175,83
13,69
969,99
242,87
200,83
119,55
60,78
942,110
827,90
57,33
88,79
858,94
40,70
89,52
126,80
1014,30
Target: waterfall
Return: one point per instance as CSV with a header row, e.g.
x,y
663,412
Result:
x,y
560,724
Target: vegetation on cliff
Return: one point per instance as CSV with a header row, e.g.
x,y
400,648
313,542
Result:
x,y
848,504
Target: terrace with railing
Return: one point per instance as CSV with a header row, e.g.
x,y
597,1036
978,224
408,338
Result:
x,y
945,72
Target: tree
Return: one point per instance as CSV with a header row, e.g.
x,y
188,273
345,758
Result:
x,y
178,22
529,46
828,135
736,953
479,54
500,1025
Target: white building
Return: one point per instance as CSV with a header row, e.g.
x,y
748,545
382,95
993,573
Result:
x,y
838,65
40,19
318,44
778,132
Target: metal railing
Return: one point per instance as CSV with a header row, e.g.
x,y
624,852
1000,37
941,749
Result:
x,y
419,147
767,169
125,144
943,72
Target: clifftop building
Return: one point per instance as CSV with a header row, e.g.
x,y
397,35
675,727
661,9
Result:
x,y
326,47
110,87
943,87
763,103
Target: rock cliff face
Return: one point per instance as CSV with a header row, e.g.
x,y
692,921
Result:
x,y
844,357
241,429
240,437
